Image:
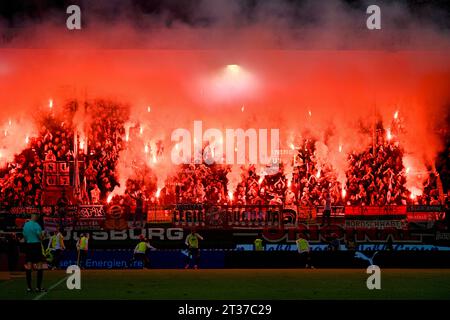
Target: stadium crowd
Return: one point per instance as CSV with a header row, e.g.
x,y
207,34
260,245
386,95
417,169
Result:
x,y
21,181
197,183
374,176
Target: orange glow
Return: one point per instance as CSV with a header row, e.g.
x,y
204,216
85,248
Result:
x,y
290,85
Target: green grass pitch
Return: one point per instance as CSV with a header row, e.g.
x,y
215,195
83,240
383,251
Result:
x,y
235,284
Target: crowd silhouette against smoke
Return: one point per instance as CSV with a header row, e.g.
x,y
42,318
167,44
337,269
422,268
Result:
x,y
375,175
363,115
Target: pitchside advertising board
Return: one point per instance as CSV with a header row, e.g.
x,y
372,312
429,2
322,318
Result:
x,y
236,227
230,232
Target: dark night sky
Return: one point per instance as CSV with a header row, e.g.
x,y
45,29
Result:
x,y
18,12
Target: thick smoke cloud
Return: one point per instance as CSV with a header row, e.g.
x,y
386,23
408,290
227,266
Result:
x,y
299,58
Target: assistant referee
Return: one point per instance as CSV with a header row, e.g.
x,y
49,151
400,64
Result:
x,y
34,259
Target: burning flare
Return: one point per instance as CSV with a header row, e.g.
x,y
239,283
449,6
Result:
x,y
388,134
261,179
318,174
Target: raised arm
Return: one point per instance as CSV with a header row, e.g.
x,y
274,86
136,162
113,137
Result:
x,y
63,246
199,236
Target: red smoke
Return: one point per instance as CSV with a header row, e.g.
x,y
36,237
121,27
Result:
x,y
294,90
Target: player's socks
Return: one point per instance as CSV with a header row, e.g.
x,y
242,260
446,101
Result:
x,y
40,276
28,274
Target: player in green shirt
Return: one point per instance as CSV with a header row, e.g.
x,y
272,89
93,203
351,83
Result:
x,y
259,245
82,248
304,251
140,252
192,244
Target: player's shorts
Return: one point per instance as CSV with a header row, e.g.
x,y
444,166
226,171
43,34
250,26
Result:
x,y
194,252
304,254
33,253
304,257
139,256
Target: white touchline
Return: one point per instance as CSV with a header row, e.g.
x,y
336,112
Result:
x,y
38,297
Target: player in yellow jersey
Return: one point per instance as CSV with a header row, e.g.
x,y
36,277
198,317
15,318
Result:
x,y
140,252
192,243
304,251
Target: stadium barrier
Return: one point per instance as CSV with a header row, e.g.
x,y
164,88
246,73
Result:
x,y
116,217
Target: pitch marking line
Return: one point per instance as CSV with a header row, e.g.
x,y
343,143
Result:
x,y
38,297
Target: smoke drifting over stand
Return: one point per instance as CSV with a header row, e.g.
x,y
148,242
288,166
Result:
x,y
308,69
